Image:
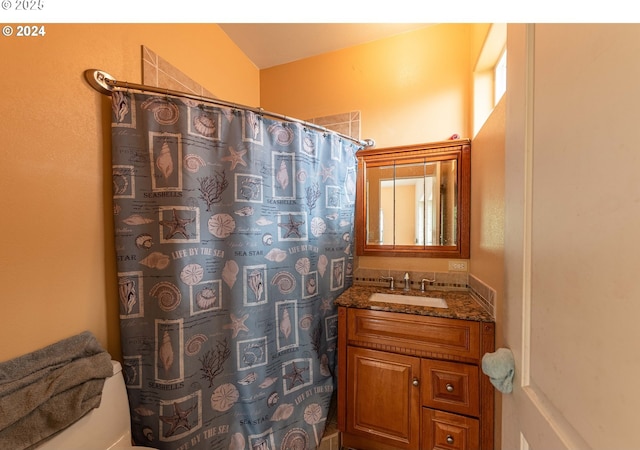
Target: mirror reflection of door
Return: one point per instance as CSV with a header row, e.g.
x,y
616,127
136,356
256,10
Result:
x,y
408,189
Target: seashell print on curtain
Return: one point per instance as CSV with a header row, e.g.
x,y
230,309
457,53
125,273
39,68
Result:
x,y
232,234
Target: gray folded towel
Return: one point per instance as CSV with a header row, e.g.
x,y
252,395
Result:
x,y
46,391
499,366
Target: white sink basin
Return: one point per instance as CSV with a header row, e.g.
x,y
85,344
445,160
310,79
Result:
x,y
414,300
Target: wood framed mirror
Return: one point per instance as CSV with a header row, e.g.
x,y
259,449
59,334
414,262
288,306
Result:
x,y
414,200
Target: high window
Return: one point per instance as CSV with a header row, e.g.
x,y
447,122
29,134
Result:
x,y
489,74
500,78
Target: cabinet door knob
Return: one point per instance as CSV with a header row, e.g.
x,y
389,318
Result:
x,y
449,439
416,382
449,387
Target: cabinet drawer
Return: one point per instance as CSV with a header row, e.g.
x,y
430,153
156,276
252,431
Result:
x,y
441,430
450,386
418,335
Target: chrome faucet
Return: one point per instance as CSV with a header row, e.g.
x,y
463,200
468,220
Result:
x,y
390,279
422,288
407,282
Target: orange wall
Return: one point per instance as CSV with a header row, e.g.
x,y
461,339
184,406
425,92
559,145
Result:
x,y
57,262
411,88
487,202
487,221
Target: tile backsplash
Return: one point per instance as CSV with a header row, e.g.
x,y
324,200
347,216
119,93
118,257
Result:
x,y
441,279
482,292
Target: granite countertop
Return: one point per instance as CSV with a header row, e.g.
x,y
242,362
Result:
x,y
462,304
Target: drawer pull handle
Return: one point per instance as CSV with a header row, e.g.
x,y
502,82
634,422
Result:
x,y
449,387
449,439
416,382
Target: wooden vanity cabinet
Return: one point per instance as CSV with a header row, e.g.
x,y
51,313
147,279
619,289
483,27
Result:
x,y
413,382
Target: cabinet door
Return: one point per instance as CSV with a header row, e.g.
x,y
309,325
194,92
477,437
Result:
x,y
383,397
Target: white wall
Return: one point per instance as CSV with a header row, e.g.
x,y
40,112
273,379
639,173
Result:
x,y
572,289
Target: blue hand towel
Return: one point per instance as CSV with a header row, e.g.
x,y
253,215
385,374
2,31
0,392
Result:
x,y
499,366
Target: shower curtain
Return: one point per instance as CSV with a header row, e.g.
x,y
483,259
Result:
x,y
233,237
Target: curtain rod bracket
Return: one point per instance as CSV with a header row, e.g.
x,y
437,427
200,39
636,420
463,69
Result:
x,y
99,80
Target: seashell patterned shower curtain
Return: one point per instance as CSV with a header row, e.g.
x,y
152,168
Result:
x,y
233,238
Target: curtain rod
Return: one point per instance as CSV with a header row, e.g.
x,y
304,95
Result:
x,y
106,84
